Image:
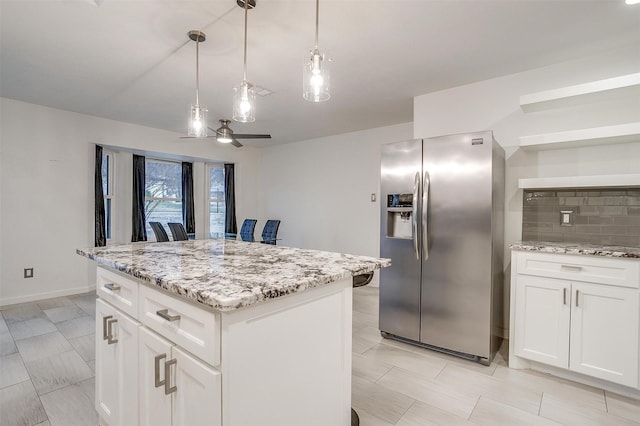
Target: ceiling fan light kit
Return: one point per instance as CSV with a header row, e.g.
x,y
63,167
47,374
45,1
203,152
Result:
x,y
244,99
316,75
197,127
224,134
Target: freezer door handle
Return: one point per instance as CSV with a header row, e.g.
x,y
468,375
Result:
x,y
425,213
414,215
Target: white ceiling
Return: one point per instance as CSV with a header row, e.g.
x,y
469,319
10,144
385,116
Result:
x,y
131,60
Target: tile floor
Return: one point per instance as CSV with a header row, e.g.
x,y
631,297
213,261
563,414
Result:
x,y
47,362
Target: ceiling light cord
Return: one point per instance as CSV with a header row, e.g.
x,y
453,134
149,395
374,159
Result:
x,y
317,21
246,2
197,71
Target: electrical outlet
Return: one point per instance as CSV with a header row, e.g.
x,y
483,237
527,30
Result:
x,y
566,218
28,272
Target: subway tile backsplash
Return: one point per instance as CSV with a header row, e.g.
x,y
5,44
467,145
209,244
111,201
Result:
x,y
603,216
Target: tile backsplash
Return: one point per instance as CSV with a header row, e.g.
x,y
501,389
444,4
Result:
x,y
600,216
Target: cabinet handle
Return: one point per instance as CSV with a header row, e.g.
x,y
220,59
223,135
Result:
x,y
564,296
157,370
105,333
110,338
572,268
164,313
577,293
112,287
168,389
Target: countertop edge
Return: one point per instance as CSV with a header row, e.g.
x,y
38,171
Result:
x,y
618,252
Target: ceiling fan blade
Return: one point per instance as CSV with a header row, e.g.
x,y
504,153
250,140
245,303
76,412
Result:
x,y
236,143
250,136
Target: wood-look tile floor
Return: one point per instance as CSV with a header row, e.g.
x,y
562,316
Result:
x,y
47,362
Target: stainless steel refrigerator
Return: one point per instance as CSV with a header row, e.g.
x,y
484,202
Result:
x,y
442,214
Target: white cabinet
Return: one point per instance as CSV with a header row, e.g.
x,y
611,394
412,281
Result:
x,y
542,320
116,365
175,388
604,332
577,321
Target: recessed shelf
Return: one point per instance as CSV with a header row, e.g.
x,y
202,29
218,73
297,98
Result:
x,y
581,93
600,181
621,133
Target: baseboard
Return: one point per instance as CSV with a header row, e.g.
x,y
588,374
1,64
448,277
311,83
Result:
x,y
6,301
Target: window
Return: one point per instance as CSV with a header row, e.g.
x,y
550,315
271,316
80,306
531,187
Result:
x,y
163,193
216,200
108,191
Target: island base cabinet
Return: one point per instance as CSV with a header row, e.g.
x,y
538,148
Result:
x,y
604,332
116,365
176,388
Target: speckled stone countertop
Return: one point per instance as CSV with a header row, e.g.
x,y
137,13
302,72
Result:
x,y
228,274
578,248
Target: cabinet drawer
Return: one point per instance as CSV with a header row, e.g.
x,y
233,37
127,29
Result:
x,y
195,329
120,291
612,271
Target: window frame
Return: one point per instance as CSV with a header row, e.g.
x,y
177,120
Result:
x,y
209,200
110,194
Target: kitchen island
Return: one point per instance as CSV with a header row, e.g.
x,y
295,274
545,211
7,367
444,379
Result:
x,y
223,332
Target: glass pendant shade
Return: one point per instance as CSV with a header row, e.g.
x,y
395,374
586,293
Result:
x,y
244,103
316,77
197,122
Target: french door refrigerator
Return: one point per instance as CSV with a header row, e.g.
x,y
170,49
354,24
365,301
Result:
x,y
442,214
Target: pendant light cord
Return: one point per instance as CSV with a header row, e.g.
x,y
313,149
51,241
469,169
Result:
x,y
245,39
317,24
197,71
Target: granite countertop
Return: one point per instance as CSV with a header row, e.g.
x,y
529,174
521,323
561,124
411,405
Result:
x,y
227,274
578,248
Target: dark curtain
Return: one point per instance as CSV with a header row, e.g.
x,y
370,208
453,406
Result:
x,y
187,198
138,229
230,226
100,226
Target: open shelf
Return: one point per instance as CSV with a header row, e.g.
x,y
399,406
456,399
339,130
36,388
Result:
x,y
580,182
621,133
580,93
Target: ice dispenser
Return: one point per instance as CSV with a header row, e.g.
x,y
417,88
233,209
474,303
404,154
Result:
x,y
399,215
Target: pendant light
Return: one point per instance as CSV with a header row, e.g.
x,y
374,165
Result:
x,y
198,114
244,99
315,76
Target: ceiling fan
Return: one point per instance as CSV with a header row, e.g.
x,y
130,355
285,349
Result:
x,y
224,134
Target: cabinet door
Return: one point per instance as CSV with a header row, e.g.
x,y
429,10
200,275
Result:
x,y
604,332
116,364
155,405
197,399
543,310
106,366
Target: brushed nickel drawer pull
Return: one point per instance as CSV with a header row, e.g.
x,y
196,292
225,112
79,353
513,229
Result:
x,y
105,334
164,314
572,268
112,287
110,338
168,389
577,294
157,360
564,296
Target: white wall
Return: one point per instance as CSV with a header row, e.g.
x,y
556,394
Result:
x,y
494,105
321,190
46,182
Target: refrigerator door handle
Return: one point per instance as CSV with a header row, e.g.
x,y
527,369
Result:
x,y
414,215
425,214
